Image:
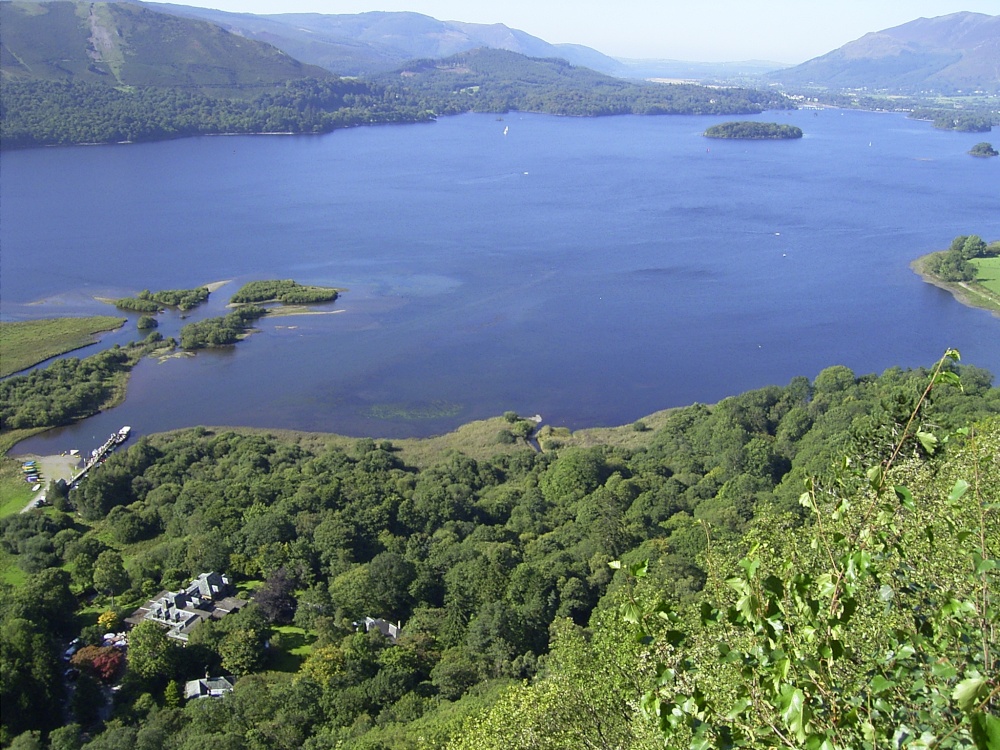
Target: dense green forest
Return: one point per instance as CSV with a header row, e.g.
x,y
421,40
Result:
x,y
38,113
69,389
522,578
750,130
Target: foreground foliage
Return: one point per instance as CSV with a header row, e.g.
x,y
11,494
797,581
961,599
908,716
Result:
x,y
498,570
877,627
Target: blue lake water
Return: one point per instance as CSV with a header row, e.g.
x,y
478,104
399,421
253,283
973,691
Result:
x,y
590,270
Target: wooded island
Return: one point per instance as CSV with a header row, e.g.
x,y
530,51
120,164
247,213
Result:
x,y
754,131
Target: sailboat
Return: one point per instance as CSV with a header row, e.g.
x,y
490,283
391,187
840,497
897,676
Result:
x,y
505,129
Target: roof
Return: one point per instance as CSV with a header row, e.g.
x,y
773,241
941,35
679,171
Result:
x,y
210,687
206,597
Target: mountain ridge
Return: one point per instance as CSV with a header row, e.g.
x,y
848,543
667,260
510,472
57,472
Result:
x,y
379,41
126,44
955,52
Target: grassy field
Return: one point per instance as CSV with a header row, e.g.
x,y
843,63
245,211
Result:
x,y
14,491
989,273
26,343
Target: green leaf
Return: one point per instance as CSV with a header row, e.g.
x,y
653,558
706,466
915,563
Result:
x,y
948,377
793,703
985,731
905,497
631,613
967,692
943,670
615,564
983,563
737,710
709,613
874,475
880,684
960,488
639,570
750,565
953,354
927,441
675,637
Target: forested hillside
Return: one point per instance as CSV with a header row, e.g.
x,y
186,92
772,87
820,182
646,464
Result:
x,y
516,629
118,72
61,113
126,44
493,80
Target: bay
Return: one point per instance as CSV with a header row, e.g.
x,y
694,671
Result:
x,y
590,270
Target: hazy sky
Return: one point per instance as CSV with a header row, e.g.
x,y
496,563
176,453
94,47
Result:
x,y
790,31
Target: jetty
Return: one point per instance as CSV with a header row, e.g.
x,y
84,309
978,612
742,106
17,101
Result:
x,y
98,455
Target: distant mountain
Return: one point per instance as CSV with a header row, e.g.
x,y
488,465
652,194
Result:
x,y
377,42
127,44
960,51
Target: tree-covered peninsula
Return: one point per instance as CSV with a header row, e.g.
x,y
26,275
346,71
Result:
x,y
848,520
969,269
754,131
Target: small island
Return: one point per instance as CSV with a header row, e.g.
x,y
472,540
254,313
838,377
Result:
x,y
226,330
153,302
754,131
969,269
984,150
286,291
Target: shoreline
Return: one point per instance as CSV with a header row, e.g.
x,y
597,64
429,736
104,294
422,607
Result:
x,y
979,299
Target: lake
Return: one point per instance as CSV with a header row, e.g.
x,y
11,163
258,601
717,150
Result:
x,y
590,270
